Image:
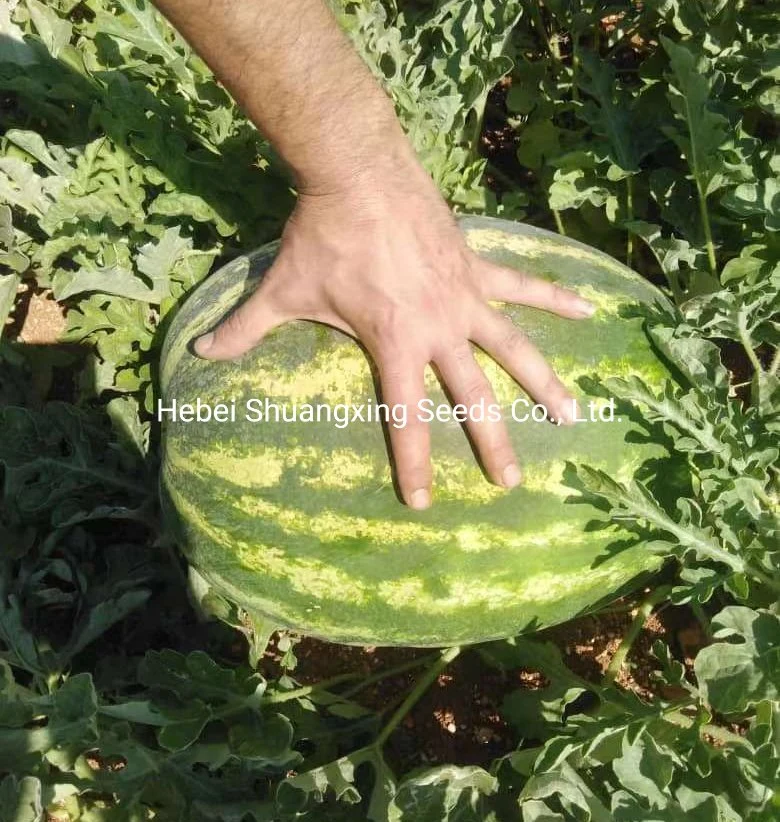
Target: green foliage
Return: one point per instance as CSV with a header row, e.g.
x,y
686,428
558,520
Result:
x,y
129,171
726,534
655,119
126,172
439,66
633,760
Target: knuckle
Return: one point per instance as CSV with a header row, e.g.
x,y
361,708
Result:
x,y
475,390
236,325
513,342
461,353
396,360
388,328
561,298
522,280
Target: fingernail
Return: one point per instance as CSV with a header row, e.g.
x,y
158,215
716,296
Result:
x,y
202,344
567,412
511,476
420,499
584,308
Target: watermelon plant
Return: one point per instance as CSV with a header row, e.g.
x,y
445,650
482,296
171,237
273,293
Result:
x,y
127,174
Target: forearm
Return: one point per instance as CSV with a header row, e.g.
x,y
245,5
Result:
x,y
300,80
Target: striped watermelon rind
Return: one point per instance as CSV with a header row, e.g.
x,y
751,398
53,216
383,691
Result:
x,y
301,522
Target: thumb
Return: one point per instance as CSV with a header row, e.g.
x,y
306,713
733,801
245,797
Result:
x,y
242,329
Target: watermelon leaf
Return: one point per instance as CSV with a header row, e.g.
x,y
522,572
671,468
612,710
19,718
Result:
x,y
196,675
21,799
736,674
445,794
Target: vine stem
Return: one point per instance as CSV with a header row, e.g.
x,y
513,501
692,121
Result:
x,y
326,684
675,714
701,618
538,23
480,120
744,338
642,615
425,681
286,696
775,366
558,222
629,216
627,35
508,181
763,577
575,66
705,222
384,674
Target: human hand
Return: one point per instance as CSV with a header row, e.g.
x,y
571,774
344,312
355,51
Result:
x,y
388,265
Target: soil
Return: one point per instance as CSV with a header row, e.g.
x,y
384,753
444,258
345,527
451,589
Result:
x,y
37,318
458,719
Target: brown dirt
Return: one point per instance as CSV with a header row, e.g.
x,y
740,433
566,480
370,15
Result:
x,y
458,719
37,318
498,144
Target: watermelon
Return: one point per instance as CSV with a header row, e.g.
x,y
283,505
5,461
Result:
x,y
298,520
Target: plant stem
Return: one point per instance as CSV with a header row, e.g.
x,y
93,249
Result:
x,y
722,734
675,715
384,674
642,615
538,24
481,106
629,216
763,577
258,630
627,35
389,708
744,338
613,609
575,65
775,366
558,222
326,684
286,696
501,176
419,689
707,228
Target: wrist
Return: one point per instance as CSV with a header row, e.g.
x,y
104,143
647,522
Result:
x,y
370,161
391,185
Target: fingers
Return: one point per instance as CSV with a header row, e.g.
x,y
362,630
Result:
x,y
403,384
273,304
507,285
522,359
469,386
242,329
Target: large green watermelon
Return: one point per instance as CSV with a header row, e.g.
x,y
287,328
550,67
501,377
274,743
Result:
x,y
300,521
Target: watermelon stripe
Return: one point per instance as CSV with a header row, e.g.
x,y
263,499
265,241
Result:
x,y
537,246
325,584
